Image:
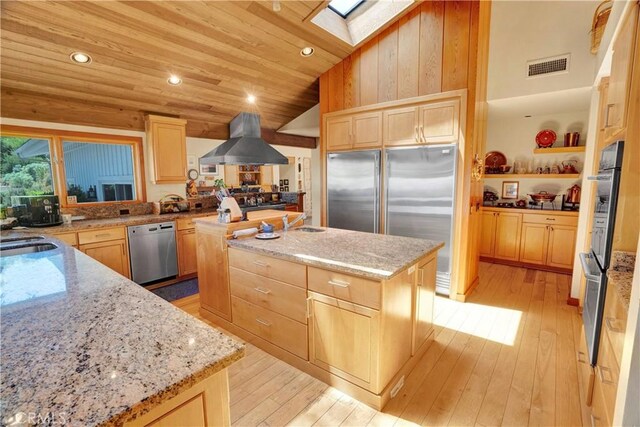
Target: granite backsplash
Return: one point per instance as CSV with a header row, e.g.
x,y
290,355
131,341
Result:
x,y
114,210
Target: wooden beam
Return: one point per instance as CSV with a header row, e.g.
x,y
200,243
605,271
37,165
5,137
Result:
x,y
275,138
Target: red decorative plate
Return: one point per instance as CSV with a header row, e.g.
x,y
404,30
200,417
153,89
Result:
x,y
545,138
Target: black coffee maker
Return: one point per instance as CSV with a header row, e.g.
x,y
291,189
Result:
x,y
36,211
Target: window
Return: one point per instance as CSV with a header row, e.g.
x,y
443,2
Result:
x,y
344,7
78,167
25,168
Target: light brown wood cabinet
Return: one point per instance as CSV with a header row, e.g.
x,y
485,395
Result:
x,y
424,294
504,242
354,131
231,177
429,123
620,78
114,254
204,404
266,175
167,143
213,272
538,238
187,254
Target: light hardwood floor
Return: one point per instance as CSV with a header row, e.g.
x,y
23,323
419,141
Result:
x,y
506,357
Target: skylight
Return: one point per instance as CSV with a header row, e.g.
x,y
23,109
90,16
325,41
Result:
x,y
344,7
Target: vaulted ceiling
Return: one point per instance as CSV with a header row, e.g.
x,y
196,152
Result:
x,y
223,50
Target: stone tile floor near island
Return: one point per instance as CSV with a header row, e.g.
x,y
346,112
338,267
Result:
x,y
506,357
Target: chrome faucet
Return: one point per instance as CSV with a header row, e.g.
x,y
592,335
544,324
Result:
x,y
286,224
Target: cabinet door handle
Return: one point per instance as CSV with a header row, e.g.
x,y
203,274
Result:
x,y
261,264
421,277
339,283
609,322
607,114
580,357
593,420
416,136
122,246
262,290
424,138
262,322
601,373
309,308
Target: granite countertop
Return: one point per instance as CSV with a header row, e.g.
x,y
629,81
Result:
x,y
532,210
82,343
374,256
124,220
620,274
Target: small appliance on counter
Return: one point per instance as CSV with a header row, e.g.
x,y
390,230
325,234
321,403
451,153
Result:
x,y
36,211
571,201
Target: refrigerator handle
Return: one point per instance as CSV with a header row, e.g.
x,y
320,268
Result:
x,y
376,189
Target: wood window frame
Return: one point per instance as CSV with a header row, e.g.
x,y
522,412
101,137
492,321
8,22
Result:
x,y
55,138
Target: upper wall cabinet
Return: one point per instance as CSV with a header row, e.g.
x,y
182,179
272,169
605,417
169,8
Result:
x,y
620,79
166,139
429,123
354,131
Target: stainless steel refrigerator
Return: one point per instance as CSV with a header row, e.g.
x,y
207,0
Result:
x,y
419,188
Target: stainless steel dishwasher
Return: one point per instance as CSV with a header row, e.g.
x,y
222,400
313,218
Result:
x,y
152,250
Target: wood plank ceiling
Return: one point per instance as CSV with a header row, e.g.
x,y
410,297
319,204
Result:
x,y
223,50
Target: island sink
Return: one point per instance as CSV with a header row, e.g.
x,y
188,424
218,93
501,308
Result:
x,y
29,248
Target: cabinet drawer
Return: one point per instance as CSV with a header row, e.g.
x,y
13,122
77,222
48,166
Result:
x,y
550,219
614,322
185,223
101,235
68,238
345,287
288,300
273,327
269,267
607,374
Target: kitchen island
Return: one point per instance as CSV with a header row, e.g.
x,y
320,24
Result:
x,y
83,345
352,309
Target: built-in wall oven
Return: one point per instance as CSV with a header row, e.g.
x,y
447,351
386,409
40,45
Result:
x,y
596,262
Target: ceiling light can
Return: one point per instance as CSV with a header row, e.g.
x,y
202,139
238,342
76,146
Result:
x,y
80,58
306,51
251,99
174,80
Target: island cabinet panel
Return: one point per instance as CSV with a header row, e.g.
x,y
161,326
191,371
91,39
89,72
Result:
x,y
271,326
507,245
269,267
204,404
344,339
345,287
424,292
213,272
288,300
585,370
166,139
187,253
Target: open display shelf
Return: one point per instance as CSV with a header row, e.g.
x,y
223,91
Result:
x,y
534,175
557,150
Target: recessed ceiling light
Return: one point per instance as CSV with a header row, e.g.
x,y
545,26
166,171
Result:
x,y
80,58
174,80
306,51
251,99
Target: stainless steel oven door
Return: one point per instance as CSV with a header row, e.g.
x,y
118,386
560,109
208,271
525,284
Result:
x,y
593,304
604,215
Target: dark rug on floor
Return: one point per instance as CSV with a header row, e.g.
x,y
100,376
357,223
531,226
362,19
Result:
x,y
178,290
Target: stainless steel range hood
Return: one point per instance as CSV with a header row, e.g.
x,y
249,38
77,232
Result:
x,y
245,146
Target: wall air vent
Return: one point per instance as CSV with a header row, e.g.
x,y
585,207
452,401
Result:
x,y
547,66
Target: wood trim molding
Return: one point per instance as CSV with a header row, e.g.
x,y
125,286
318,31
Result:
x,y
277,138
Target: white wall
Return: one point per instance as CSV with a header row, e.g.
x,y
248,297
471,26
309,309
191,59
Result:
x,y
529,30
514,136
195,146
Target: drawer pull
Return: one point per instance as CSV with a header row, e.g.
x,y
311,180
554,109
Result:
x,y
580,357
339,283
263,322
262,291
602,370
609,321
103,235
550,219
261,264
